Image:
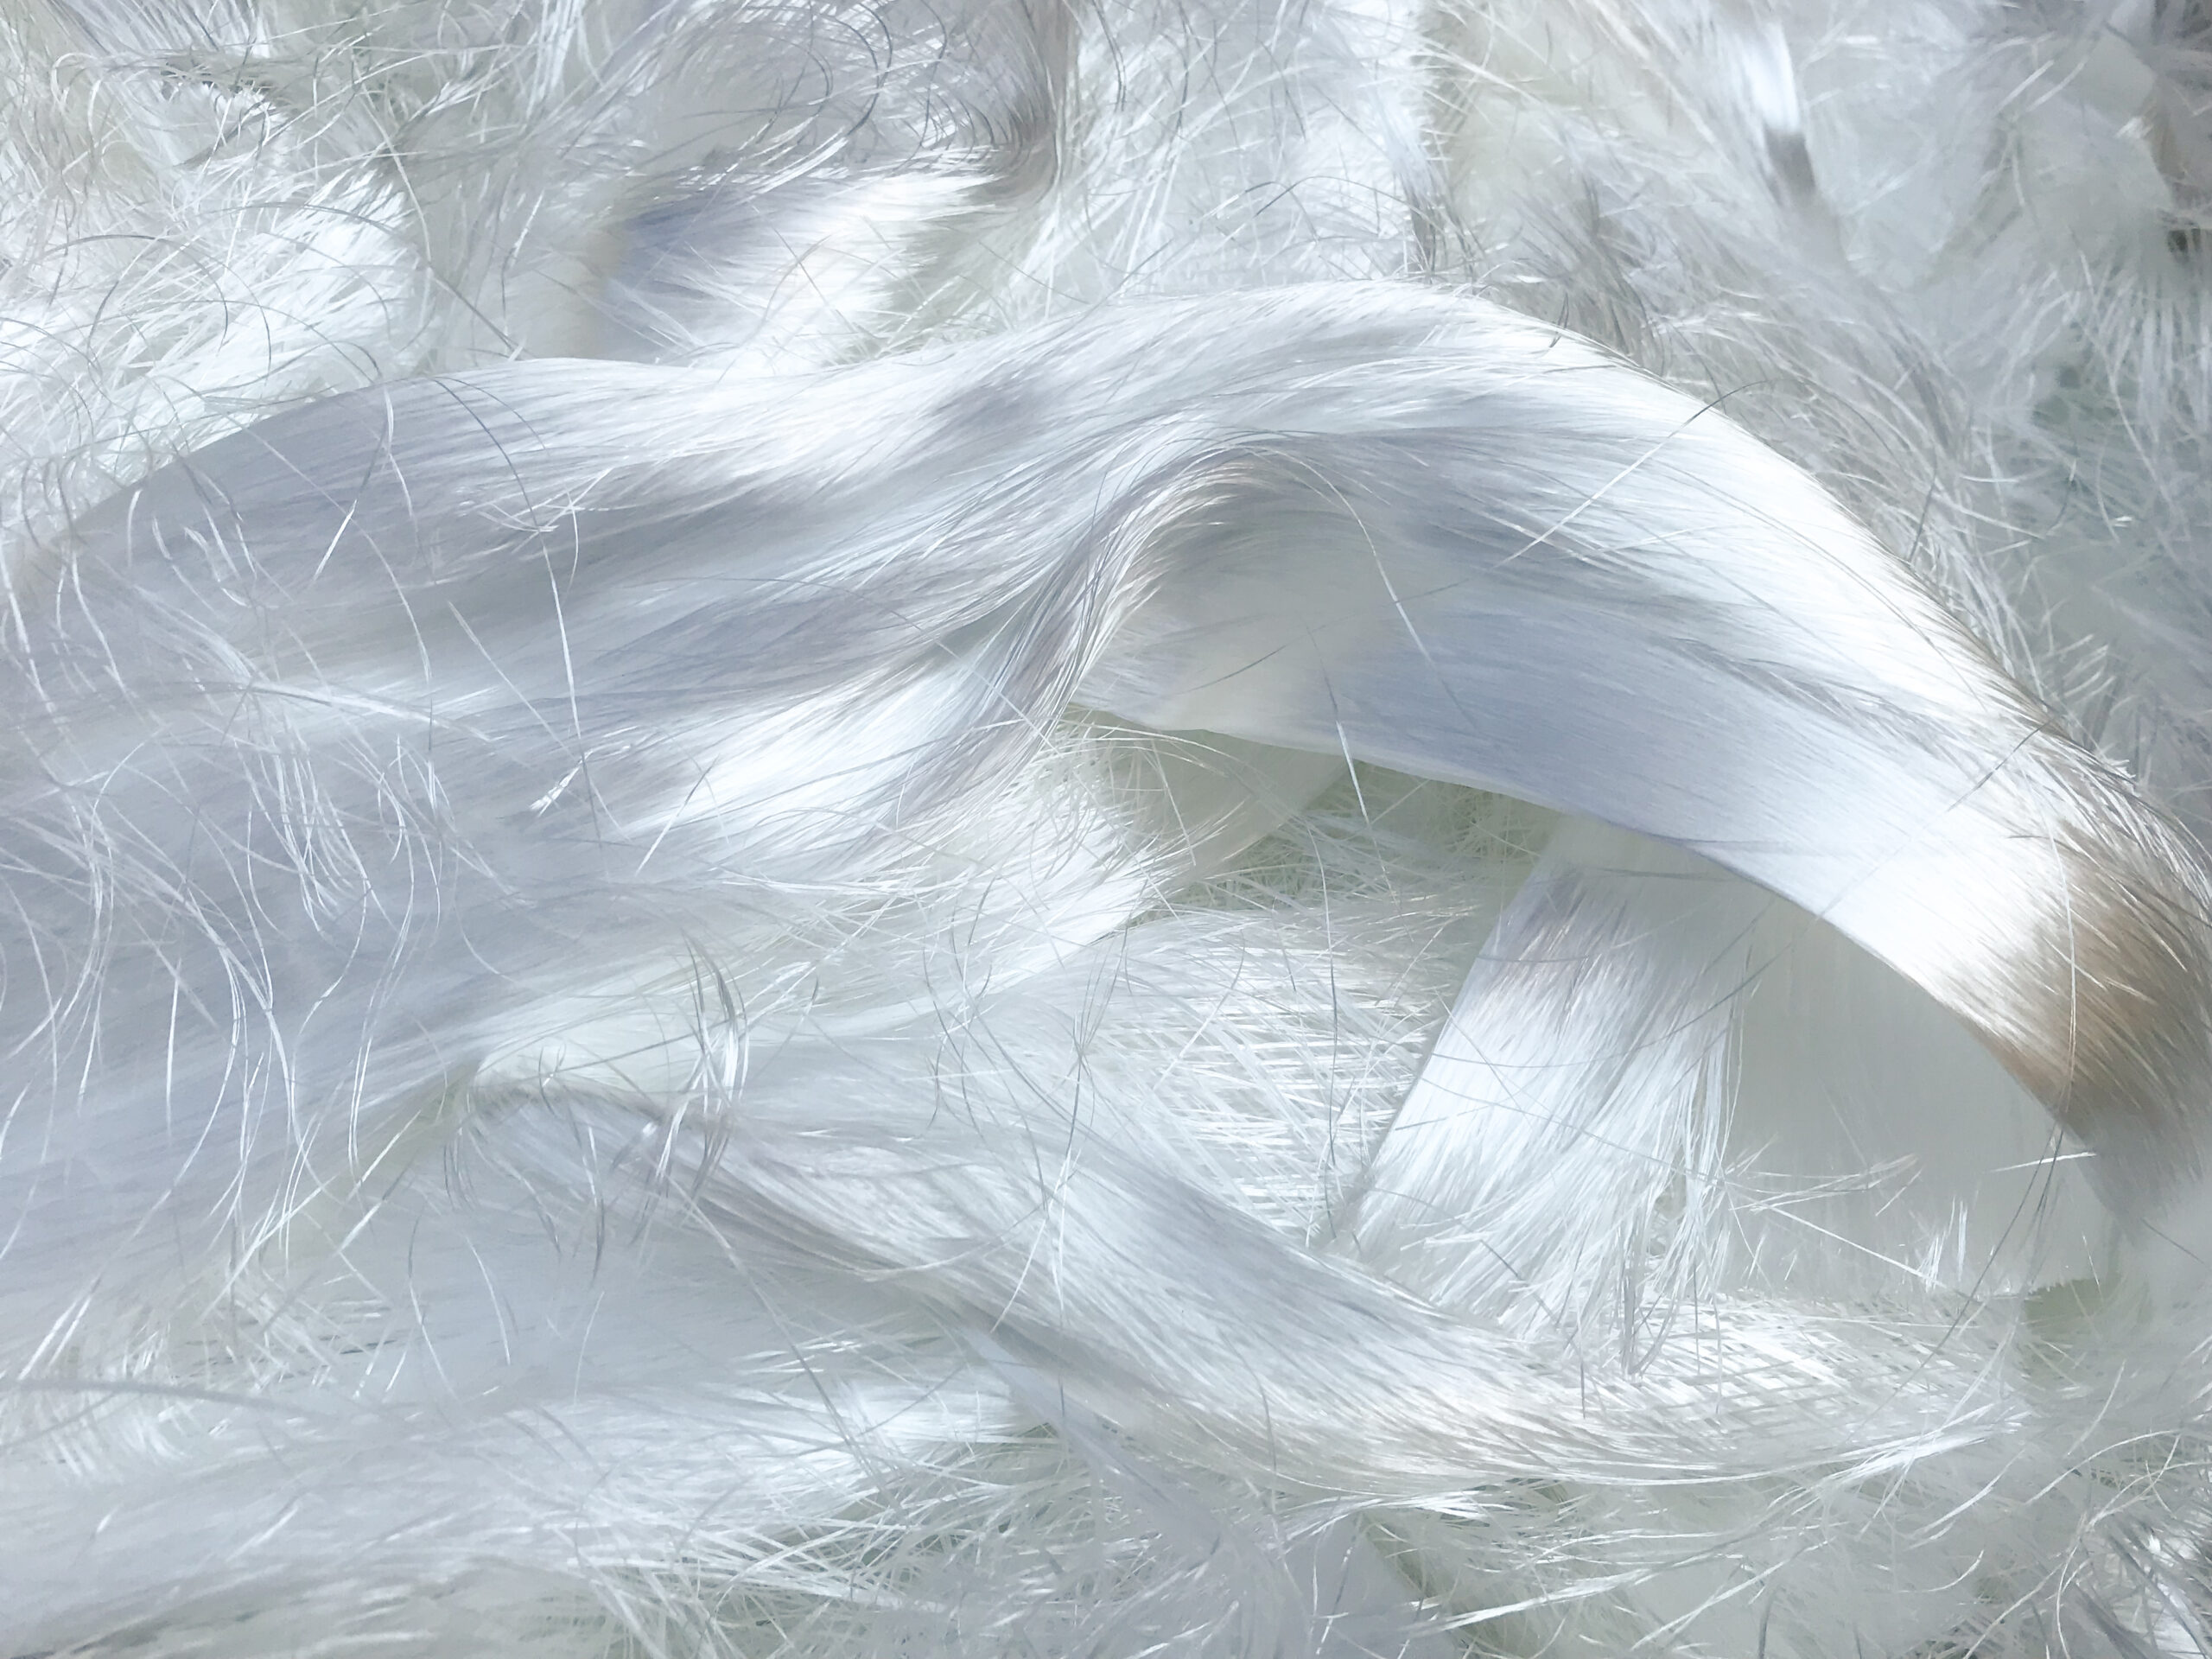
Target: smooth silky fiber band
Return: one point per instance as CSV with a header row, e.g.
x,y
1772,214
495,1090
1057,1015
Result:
x,y
599,640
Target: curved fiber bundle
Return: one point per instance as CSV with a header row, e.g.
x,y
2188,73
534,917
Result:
x,y
1312,828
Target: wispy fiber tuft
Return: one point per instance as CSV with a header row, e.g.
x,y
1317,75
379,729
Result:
x,y
1002,826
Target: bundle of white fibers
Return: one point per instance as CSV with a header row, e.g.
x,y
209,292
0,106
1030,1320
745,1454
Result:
x,y
1090,827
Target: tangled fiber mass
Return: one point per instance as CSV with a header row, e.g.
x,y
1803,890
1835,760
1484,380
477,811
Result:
x,y
1314,827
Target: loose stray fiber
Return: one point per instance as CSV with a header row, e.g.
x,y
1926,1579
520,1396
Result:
x,y
1022,828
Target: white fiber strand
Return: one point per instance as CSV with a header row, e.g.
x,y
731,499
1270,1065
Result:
x,y
1236,829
